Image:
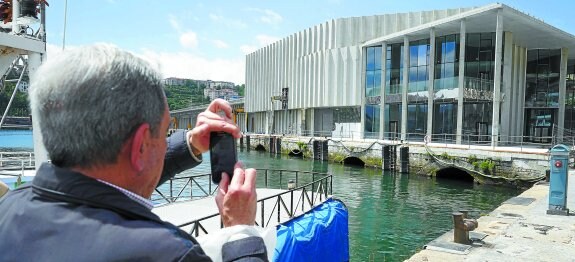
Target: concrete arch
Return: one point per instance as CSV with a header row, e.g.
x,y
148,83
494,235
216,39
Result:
x,y
353,161
454,173
260,147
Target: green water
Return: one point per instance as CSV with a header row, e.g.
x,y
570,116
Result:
x,y
391,216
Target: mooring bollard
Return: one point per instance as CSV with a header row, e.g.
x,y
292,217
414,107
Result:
x,y
461,227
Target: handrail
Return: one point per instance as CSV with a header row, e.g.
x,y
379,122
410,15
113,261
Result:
x,y
310,194
319,196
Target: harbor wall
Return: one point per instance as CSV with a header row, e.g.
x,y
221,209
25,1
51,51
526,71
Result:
x,y
516,166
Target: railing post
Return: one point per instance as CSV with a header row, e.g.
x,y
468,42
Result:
x,y
331,184
296,178
262,214
191,188
291,204
171,194
302,199
279,208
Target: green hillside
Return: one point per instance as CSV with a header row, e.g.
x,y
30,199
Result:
x,y
180,97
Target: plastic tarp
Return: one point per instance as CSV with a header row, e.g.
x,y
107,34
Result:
x,y
319,235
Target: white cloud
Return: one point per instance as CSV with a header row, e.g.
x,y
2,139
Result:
x,y
246,49
264,40
189,39
187,65
215,17
53,50
220,44
268,16
174,23
230,23
183,64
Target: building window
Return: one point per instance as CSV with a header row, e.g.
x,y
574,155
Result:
x,y
570,97
477,119
394,69
392,121
418,61
373,71
542,80
416,121
480,61
444,122
372,121
446,62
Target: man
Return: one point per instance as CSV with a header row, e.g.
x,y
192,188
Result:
x,y
104,116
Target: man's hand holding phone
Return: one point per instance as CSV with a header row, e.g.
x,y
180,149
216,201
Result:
x,y
236,198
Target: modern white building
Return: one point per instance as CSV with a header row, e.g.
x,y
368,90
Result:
x,y
488,74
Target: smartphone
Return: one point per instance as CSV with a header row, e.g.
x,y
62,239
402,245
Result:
x,y
223,155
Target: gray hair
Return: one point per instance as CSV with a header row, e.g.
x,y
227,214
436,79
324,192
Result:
x,y
90,100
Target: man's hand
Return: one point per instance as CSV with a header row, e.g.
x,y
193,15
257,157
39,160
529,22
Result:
x,y
236,200
210,121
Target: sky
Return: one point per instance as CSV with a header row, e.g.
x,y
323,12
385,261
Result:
x,y
204,40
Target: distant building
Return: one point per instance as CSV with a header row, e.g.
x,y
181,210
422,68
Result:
x,y
172,81
220,84
223,93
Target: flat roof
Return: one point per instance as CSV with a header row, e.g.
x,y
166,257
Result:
x,y
527,30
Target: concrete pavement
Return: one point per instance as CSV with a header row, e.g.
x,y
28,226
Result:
x,y
518,230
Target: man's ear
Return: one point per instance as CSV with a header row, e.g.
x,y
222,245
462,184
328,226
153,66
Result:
x,y
139,147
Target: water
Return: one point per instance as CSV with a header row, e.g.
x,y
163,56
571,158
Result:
x,y
16,140
391,216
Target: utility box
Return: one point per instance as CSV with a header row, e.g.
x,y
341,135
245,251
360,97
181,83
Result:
x,y
558,163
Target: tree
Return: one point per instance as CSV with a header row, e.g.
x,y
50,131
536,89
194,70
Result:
x,y
241,89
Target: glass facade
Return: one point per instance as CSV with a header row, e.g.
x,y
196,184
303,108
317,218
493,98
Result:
x,y
570,97
373,71
542,81
416,121
541,89
372,121
418,61
444,122
477,121
394,69
393,121
479,61
393,88
541,94
446,62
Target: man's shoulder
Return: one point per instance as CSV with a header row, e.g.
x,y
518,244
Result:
x,y
66,226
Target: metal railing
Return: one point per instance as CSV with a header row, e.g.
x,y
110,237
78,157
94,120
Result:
x,y
182,188
522,143
308,190
16,160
